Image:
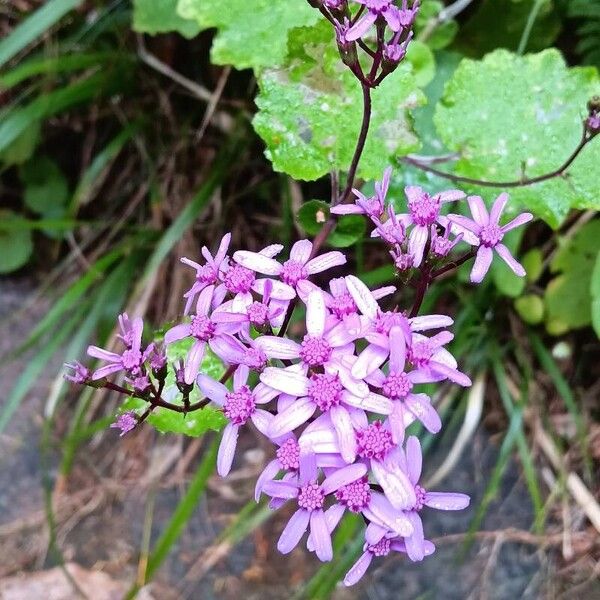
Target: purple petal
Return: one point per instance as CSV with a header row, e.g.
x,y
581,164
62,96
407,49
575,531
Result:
x,y
268,473
276,347
103,354
279,290
358,569
396,486
383,513
346,209
478,210
212,389
362,296
450,373
308,466
509,259
517,222
281,489
372,402
177,333
361,27
498,207
343,476
341,335
106,370
240,376
451,195
416,244
228,348
370,359
137,327
396,420
290,382
194,360
295,415
420,406
462,223
321,537
257,262
227,449
271,250
391,17
293,531
301,251
446,500
345,432
325,261
397,350
316,313
374,532
483,260
223,247
333,516
415,543
205,300
430,322
262,420
414,459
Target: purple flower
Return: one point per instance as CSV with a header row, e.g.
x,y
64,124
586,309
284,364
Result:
x,y
423,212
81,374
397,385
441,245
125,422
489,233
378,324
381,548
319,345
208,273
204,330
298,268
334,392
239,406
132,358
375,8
392,230
373,206
310,498
416,546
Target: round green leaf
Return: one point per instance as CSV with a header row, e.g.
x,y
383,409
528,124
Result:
x,y
16,245
160,16
533,263
508,112
46,188
530,308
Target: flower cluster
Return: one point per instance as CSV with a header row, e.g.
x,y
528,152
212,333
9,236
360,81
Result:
x,y
425,232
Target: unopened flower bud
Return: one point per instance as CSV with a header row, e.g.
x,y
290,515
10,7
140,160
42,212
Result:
x,y
158,363
182,386
125,422
346,47
81,374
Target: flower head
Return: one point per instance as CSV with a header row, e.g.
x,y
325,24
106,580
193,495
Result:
x,y
125,422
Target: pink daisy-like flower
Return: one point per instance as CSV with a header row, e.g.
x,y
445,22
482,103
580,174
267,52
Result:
x,y
297,268
125,422
489,233
373,206
239,405
310,498
132,358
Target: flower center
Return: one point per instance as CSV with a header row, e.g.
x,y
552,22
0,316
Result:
x,y
255,358
420,353
354,496
425,209
311,497
206,274
131,359
420,494
314,351
374,441
258,313
239,405
381,548
342,305
202,328
386,320
238,279
490,235
293,271
288,455
325,390
397,386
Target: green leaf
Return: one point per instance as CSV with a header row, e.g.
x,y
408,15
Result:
x,y
423,63
310,112
34,26
46,188
500,24
568,296
443,33
16,245
161,16
533,263
530,308
195,423
23,146
595,291
535,122
249,34
348,228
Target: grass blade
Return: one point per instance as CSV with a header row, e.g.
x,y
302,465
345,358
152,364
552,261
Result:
x,y
34,26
